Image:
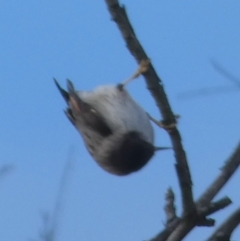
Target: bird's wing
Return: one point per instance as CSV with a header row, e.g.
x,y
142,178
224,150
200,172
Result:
x,y
80,113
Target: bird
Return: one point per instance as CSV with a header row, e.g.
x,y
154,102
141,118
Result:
x,y
115,129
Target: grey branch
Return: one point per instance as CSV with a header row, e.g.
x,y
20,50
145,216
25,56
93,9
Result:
x,y
215,89
169,208
226,73
227,171
51,221
216,206
179,227
188,223
172,219
224,232
155,86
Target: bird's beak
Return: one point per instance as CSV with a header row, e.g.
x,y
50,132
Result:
x,y
157,148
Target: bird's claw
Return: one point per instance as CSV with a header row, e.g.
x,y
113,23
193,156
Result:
x,y
163,125
142,68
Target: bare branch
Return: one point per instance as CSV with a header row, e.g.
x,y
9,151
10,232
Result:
x,y
162,236
224,232
215,89
182,226
64,180
170,206
154,83
50,225
182,229
226,173
216,206
208,91
226,73
177,229
172,219
188,223
155,86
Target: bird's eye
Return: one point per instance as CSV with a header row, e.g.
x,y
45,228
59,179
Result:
x,y
92,110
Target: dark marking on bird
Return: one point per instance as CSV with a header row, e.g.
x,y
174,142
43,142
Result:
x,y
63,92
120,86
128,145
132,154
80,112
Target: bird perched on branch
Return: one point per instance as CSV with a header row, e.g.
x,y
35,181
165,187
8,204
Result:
x,y
116,131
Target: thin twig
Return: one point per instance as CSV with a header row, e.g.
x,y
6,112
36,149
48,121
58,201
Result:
x,y
64,181
50,226
226,73
214,89
155,86
189,223
226,173
169,208
163,235
224,232
172,219
178,229
208,91
179,225
216,206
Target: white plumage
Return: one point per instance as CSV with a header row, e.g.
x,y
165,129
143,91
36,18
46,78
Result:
x,y
116,131
119,110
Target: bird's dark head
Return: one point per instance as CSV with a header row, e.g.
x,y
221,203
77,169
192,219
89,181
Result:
x,y
131,155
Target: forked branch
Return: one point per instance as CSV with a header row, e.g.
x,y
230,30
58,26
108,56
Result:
x,y
155,86
224,232
194,214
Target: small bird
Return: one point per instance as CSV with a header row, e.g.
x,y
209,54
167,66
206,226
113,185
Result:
x,y
116,131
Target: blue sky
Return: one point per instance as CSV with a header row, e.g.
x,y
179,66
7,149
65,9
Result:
x,y
76,40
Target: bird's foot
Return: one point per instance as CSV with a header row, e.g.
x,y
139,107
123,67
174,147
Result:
x,y
162,125
142,68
